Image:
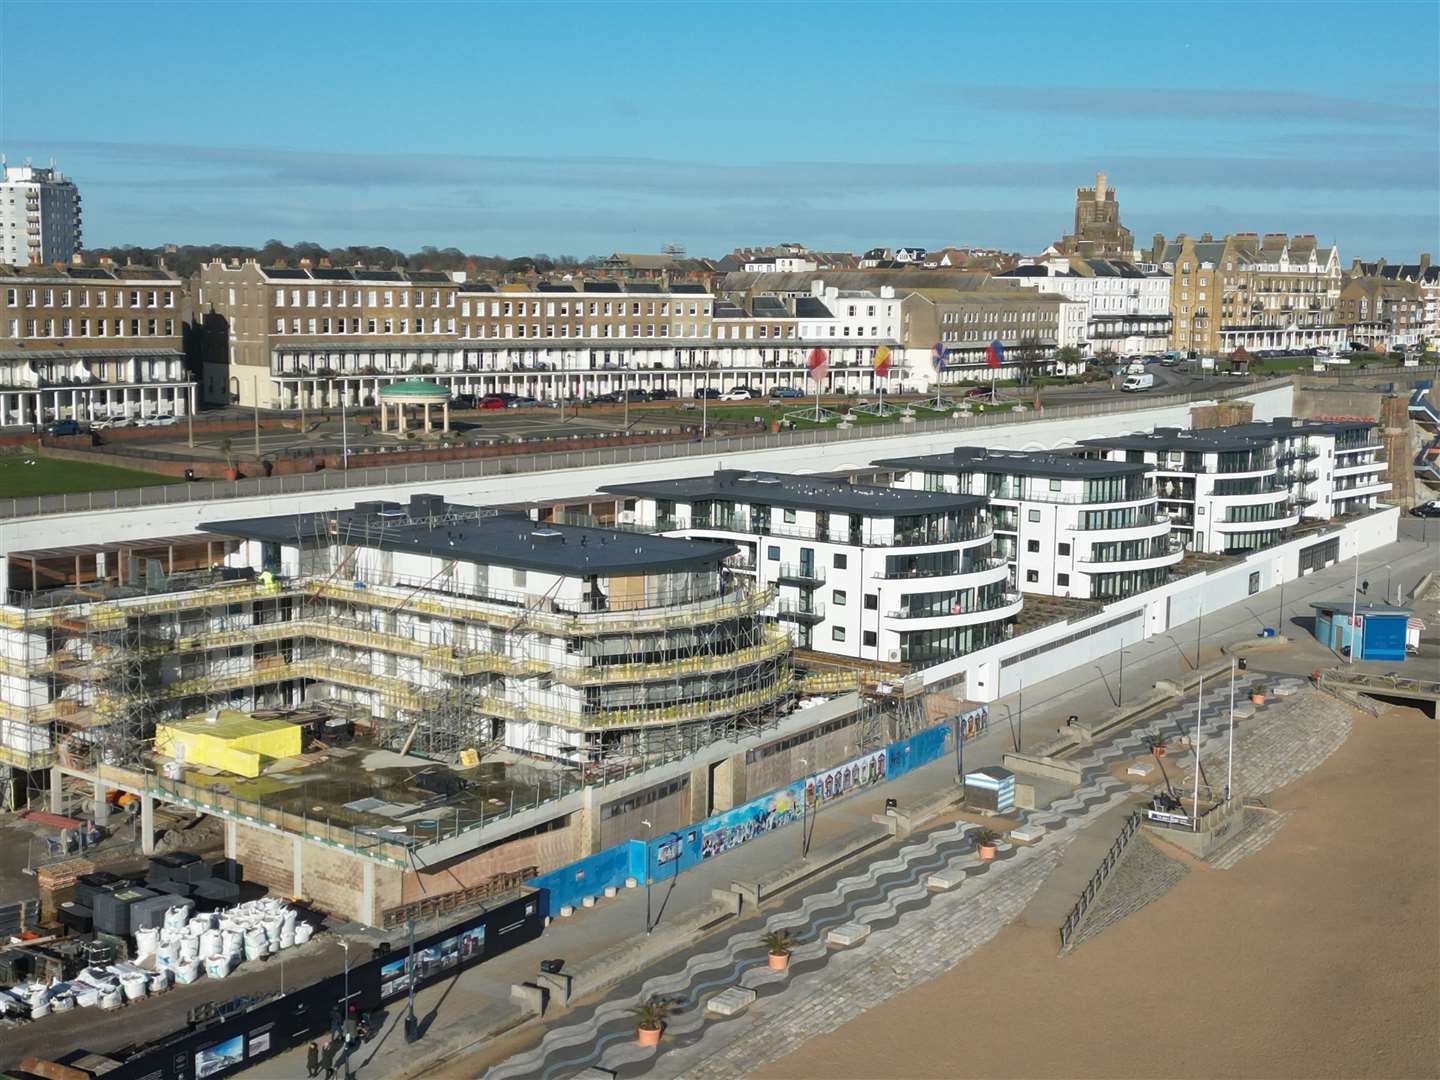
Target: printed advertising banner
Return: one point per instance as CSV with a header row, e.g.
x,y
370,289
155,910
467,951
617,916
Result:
x,y
843,779
722,832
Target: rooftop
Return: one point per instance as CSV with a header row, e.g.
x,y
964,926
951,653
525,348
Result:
x,y
430,526
967,459
798,492
1202,440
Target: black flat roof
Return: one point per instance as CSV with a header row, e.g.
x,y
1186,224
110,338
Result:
x,y
967,459
1289,426
798,492
1204,440
503,539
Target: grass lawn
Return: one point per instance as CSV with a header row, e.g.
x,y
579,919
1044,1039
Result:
x,y
25,474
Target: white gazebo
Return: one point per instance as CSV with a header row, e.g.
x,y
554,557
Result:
x,y
413,392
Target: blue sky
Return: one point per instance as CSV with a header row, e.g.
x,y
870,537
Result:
x,y
584,128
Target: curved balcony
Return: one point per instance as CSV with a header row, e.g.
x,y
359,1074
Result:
x,y
1159,525
1290,516
982,572
1007,606
1173,553
1258,498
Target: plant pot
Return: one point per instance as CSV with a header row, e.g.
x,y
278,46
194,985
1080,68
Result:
x,y
232,473
647,1036
986,852
1257,699
778,961
1158,751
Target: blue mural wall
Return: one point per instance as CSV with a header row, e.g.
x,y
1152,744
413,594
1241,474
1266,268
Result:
x,y
669,853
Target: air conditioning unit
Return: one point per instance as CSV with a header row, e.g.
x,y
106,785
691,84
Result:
x,y
895,655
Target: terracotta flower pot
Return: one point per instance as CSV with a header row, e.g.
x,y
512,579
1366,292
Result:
x,y
232,473
778,961
648,1036
1158,751
986,851
1257,699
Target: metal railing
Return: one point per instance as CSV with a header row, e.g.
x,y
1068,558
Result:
x,y
1097,880
521,464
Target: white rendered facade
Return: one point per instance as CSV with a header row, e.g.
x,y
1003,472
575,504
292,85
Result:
x,y
1241,488
1126,308
39,216
861,572
1069,527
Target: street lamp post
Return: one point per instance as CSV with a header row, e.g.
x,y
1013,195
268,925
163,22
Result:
x,y
649,828
345,1008
804,812
412,1026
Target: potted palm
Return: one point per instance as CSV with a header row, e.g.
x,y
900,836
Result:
x,y
779,945
1157,744
650,1020
228,449
986,841
1257,695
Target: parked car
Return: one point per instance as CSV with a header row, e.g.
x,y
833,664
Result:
x,y
1427,509
707,392
613,398
493,401
739,393
164,421
662,395
464,401
634,395
522,403
64,427
786,392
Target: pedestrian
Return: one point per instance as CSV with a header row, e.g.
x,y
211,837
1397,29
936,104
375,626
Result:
x,y
334,1021
312,1059
329,1059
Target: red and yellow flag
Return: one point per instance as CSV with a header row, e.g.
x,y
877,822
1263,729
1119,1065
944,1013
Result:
x,y
882,360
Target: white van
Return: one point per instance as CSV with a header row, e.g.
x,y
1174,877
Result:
x,y
1135,383
1135,368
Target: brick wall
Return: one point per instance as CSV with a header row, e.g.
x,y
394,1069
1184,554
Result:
x,y
547,851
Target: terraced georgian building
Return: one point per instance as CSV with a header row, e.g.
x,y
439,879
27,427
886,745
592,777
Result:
x,y
322,336
91,343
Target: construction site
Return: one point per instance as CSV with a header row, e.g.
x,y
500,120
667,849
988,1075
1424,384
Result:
x,y
397,702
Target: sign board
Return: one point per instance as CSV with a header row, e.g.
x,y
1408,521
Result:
x,y
1207,363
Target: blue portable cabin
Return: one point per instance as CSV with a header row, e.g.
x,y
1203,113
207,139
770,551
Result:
x,y
1379,628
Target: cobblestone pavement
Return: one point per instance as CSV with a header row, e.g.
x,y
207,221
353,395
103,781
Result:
x,y
1260,828
1144,874
915,933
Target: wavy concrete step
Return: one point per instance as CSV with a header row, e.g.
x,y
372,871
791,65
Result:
x,y
837,905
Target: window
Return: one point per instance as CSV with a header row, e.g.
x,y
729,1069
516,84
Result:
x,y
772,552
1062,579
1033,515
868,638
1064,549
1032,546
1032,576
837,633
1254,582
841,561
872,601
789,517
838,597
519,579
1054,485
